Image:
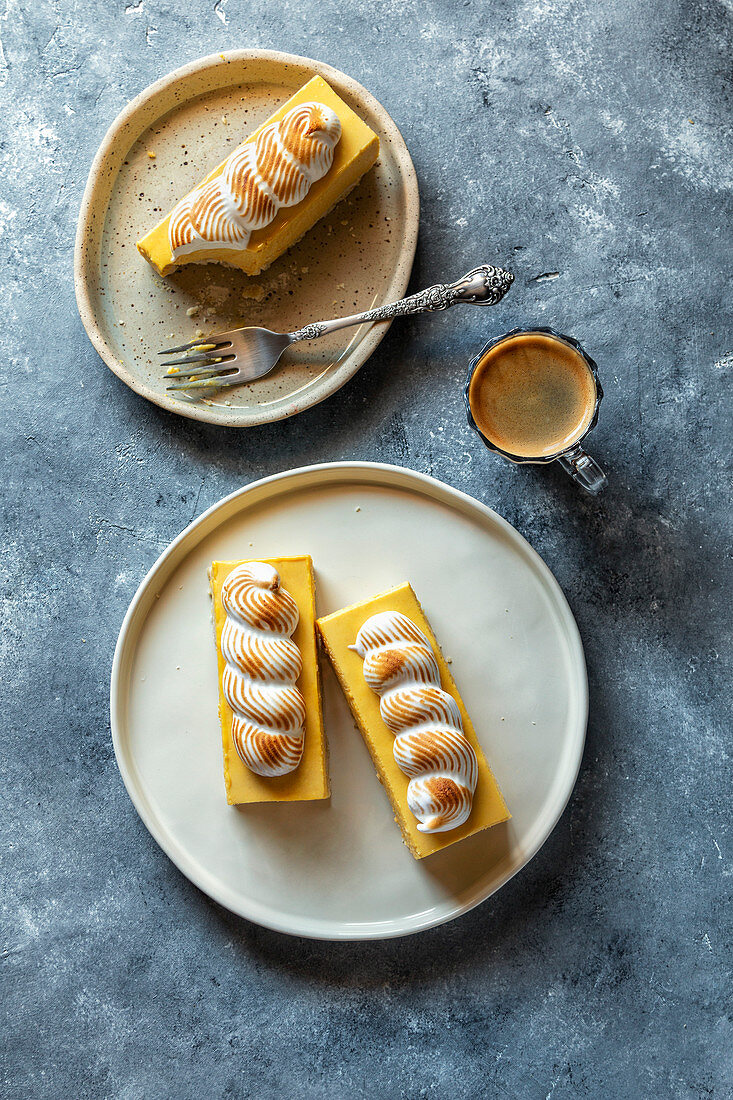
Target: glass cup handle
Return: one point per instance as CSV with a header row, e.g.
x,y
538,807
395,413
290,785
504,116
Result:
x,y
584,470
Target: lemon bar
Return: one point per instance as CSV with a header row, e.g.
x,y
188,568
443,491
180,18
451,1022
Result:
x,y
406,704
272,188
274,744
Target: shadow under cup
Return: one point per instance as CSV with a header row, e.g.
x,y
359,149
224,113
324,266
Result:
x,y
536,400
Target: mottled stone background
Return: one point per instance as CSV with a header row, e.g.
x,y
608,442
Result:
x,y
586,140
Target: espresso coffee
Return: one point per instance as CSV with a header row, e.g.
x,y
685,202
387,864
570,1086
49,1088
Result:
x,y
532,395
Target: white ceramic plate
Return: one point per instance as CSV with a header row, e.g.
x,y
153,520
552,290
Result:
x,y
358,256
339,870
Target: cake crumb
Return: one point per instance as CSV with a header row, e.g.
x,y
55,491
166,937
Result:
x,y
120,322
255,292
225,120
151,154
192,311
357,509
215,296
199,332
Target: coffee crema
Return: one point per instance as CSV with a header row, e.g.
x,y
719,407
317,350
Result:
x,y
532,395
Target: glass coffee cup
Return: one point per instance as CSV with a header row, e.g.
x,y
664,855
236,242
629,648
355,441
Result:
x,y
533,395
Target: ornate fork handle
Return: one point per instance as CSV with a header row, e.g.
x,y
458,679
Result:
x,y
484,286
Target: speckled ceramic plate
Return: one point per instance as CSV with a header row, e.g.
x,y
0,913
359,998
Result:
x,y
339,869
359,256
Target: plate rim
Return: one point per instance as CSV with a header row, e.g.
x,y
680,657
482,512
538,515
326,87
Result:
x,y
390,476
82,262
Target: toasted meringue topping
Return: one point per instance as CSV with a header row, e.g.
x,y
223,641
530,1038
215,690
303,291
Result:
x,y
275,169
262,666
430,746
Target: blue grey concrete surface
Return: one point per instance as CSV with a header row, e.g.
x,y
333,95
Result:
x,y
587,146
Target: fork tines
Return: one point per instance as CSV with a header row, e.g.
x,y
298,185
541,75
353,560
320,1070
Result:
x,y
206,342
207,365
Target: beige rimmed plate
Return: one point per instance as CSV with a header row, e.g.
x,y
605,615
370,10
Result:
x,y
338,869
358,256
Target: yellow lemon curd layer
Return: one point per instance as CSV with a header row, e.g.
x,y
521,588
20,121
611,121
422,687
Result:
x,y
310,779
338,632
355,153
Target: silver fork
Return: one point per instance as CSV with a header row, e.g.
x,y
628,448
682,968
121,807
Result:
x,y
244,354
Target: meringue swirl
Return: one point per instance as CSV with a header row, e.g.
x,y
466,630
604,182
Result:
x,y
276,169
430,746
262,666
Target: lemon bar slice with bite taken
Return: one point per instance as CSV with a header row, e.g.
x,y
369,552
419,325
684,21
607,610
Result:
x,y
406,704
269,689
271,189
